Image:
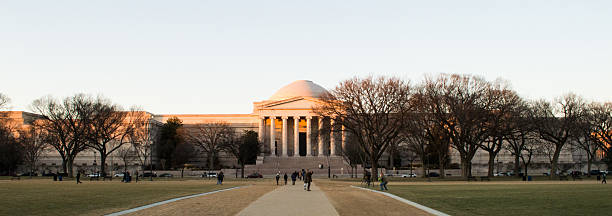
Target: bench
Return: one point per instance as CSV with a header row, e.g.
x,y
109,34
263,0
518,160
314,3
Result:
x,y
483,178
576,177
563,177
472,178
15,177
94,178
110,178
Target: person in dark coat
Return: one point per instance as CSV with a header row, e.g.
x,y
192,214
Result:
x,y
294,177
277,177
285,177
78,177
220,177
603,178
308,179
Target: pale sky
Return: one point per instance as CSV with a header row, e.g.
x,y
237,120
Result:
x,y
205,57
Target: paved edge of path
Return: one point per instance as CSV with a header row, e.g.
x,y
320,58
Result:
x,y
171,200
419,206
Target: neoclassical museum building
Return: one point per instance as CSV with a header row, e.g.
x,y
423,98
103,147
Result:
x,y
289,131
286,125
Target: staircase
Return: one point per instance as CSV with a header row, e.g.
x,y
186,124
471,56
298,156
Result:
x,y
271,165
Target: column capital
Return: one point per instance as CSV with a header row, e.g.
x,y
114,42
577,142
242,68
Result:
x,y
272,117
284,117
296,117
309,117
262,117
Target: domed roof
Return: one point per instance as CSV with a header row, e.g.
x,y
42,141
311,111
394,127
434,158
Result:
x,y
299,88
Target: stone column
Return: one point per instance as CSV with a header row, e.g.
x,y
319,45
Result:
x,y
284,136
332,140
296,136
262,122
320,137
272,137
308,135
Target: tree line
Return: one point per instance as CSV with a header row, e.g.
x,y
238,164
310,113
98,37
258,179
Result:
x,y
466,113
82,122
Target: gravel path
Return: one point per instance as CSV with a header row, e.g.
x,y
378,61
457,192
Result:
x,y
291,200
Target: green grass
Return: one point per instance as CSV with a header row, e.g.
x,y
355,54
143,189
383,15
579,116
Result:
x,y
45,197
511,199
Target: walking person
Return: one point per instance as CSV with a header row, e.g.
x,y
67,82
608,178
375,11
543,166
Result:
x,y
304,179
285,178
220,177
277,177
78,177
603,178
308,179
293,177
383,182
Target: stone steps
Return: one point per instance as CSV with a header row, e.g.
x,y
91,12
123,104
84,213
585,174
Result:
x,y
269,166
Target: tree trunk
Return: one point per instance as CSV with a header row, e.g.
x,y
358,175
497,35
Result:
x,y
491,164
65,165
465,172
553,169
526,173
69,167
374,168
441,164
103,164
391,160
241,170
588,165
211,159
517,164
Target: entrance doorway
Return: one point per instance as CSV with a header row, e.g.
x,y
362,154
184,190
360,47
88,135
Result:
x,y
302,144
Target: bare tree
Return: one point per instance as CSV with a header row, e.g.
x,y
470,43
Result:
x,y
210,138
373,110
529,149
506,112
145,134
461,104
244,148
585,138
127,154
602,120
518,139
65,125
555,123
110,127
548,150
34,144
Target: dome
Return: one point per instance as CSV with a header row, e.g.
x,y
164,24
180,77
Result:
x,y
299,88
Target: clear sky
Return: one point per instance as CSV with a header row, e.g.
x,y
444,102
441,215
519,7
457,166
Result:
x,y
220,56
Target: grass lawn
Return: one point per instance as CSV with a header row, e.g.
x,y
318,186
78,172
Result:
x,y
548,198
45,197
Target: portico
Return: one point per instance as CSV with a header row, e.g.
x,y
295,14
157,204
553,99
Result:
x,y
286,123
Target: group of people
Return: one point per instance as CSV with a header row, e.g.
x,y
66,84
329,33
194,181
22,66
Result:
x,y
382,178
305,175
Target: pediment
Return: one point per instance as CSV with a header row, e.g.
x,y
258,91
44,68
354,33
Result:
x,y
291,103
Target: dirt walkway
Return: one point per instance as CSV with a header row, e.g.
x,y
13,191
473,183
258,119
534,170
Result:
x,y
291,200
224,203
353,201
